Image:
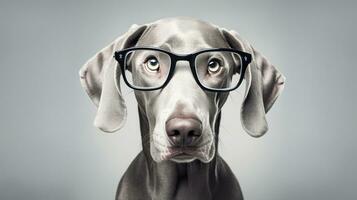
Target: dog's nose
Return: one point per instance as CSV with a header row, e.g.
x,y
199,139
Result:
x,y
183,131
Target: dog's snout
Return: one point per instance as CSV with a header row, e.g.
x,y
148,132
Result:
x,y
183,131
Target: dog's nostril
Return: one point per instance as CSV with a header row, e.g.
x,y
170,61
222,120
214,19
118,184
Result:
x,y
191,134
183,131
175,133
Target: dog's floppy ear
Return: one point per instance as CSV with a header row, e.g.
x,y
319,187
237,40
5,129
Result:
x,y
98,79
264,83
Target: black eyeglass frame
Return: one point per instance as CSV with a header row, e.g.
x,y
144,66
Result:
x,y
246,58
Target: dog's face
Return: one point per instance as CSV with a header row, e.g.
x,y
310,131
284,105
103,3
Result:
x,y
181,116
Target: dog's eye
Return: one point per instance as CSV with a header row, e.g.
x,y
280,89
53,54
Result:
x,y
152,64
214,65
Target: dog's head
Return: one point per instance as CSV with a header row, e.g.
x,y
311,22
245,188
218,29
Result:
x,y
182,115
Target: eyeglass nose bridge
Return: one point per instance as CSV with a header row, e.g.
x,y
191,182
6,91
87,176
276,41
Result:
x,y
175,58
182,57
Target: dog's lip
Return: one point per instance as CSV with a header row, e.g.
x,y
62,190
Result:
x,y
180,153
183,156
180,156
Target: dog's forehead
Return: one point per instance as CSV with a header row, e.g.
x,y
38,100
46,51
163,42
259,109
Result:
x,y
183,35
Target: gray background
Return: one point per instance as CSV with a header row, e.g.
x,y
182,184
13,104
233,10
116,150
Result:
x,y
49,148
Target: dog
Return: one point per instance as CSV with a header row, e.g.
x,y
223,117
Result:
x,y
181,70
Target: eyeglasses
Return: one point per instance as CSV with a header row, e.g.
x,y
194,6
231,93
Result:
x,y
216,70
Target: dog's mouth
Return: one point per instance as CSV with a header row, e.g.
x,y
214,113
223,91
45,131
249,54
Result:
x,y
186,154
180,154
183,158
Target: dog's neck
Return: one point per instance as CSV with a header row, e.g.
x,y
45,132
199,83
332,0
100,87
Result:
x,y
169,179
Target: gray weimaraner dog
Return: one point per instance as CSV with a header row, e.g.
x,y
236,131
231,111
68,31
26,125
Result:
x,y
180,104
